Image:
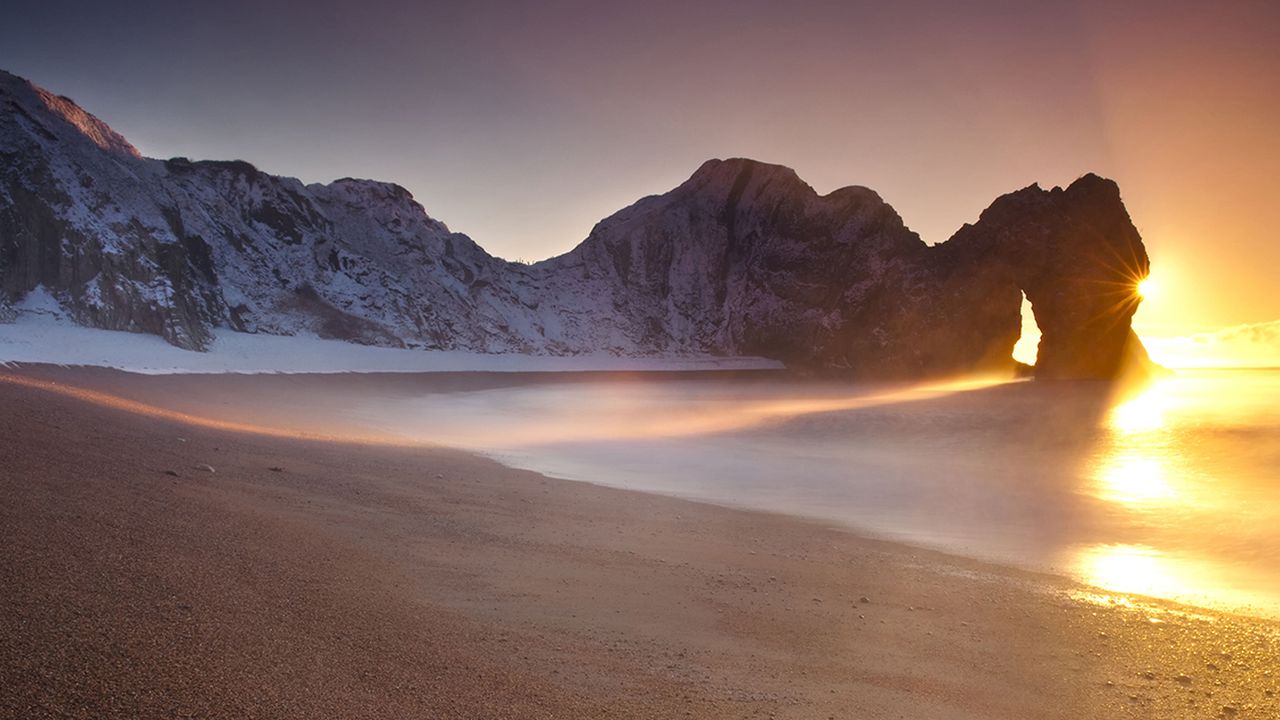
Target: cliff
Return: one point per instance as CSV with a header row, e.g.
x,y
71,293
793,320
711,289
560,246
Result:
x,y
742,258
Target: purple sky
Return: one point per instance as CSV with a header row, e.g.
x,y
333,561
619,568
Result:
x,y
524,124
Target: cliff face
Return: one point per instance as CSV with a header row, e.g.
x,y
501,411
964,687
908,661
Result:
x,y
746,258
743,258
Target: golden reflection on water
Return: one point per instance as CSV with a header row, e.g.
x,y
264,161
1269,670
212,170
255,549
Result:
x,y
1136,473
1134,468
1143,413
1144,474
1136,569
1135,479
1139,569
636,412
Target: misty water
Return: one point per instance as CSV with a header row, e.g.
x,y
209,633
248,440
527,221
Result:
x,y
1167,490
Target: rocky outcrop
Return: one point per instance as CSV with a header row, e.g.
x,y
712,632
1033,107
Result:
x,y
1079,259
742,258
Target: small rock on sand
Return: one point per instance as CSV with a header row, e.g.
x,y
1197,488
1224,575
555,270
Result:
x,y
170,473
206,468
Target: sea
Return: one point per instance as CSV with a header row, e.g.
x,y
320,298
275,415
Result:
x,y
1167,488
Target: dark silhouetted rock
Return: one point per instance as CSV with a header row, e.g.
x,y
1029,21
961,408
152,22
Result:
x,y
1077,256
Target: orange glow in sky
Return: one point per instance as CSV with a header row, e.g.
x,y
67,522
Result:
x,y
1246,345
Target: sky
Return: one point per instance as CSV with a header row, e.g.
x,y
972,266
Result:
x,y
523,124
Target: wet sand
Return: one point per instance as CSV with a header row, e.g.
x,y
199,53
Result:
x,y
325,579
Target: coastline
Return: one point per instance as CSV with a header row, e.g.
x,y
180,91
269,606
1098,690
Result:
x,y
802,446
362,580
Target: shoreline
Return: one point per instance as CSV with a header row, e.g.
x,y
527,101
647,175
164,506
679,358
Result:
x,y
44,335
1054,577
155,395
618,603
216,401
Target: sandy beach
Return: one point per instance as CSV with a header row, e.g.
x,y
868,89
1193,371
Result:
x,y
156,568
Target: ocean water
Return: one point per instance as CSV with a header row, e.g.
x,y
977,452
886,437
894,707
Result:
x,y
1171,489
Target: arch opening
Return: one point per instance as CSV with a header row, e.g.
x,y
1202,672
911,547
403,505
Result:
x,y
1024,351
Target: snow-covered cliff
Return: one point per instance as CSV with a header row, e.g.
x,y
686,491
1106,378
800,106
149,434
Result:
x,y
744,258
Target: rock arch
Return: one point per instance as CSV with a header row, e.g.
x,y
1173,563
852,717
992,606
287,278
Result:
x,y
1078,258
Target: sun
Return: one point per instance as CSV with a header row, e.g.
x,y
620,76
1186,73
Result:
x,y
1146,288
